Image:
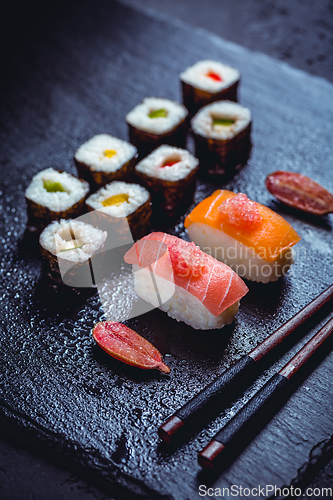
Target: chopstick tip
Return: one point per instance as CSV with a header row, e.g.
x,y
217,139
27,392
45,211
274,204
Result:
x,y
209,455
170,427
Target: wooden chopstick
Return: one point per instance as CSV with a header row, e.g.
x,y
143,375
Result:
x,y
262,406
227,386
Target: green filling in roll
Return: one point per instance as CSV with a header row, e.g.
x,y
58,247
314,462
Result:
x,y
223,122
158,113
53,187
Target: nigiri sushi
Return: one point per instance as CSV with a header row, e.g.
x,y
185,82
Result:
x,y
247,236
185,282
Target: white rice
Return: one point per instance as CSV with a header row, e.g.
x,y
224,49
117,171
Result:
x,y
152,165
139,116
91,153
202,122
57,237
180,304
138,195
196,76
75,190
242,259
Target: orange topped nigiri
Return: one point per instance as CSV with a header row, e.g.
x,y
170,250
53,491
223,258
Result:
x,y
252,239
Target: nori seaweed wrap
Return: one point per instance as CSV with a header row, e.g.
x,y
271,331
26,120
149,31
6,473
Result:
x,y
68,248
170,175
222,135
157,121
119,205
54,195
206,82
104,159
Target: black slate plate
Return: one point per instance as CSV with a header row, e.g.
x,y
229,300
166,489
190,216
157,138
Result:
x,y
79,75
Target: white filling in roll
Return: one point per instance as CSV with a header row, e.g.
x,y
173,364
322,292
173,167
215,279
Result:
x,y
72,240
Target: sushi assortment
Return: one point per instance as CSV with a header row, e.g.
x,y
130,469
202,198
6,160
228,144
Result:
x,y
157,121
170,174
208,81
158,129
122,183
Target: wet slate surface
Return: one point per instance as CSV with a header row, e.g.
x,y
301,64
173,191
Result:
x,y
79,76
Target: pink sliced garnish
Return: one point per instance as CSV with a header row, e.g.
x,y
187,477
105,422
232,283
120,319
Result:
x,y
299,191
215,76
186,261
128,346
240,211
170,163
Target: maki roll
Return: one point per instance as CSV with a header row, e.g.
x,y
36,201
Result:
x,y
68,248
104,159
208,81
183,281
170,175
222,134
157,121
118,200
54,195
247,236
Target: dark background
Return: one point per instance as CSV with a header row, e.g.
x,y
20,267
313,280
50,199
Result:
x,y
298,32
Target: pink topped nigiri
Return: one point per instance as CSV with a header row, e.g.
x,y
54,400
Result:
x,y
185,282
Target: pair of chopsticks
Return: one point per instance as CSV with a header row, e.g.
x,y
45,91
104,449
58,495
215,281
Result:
x,y
241,374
